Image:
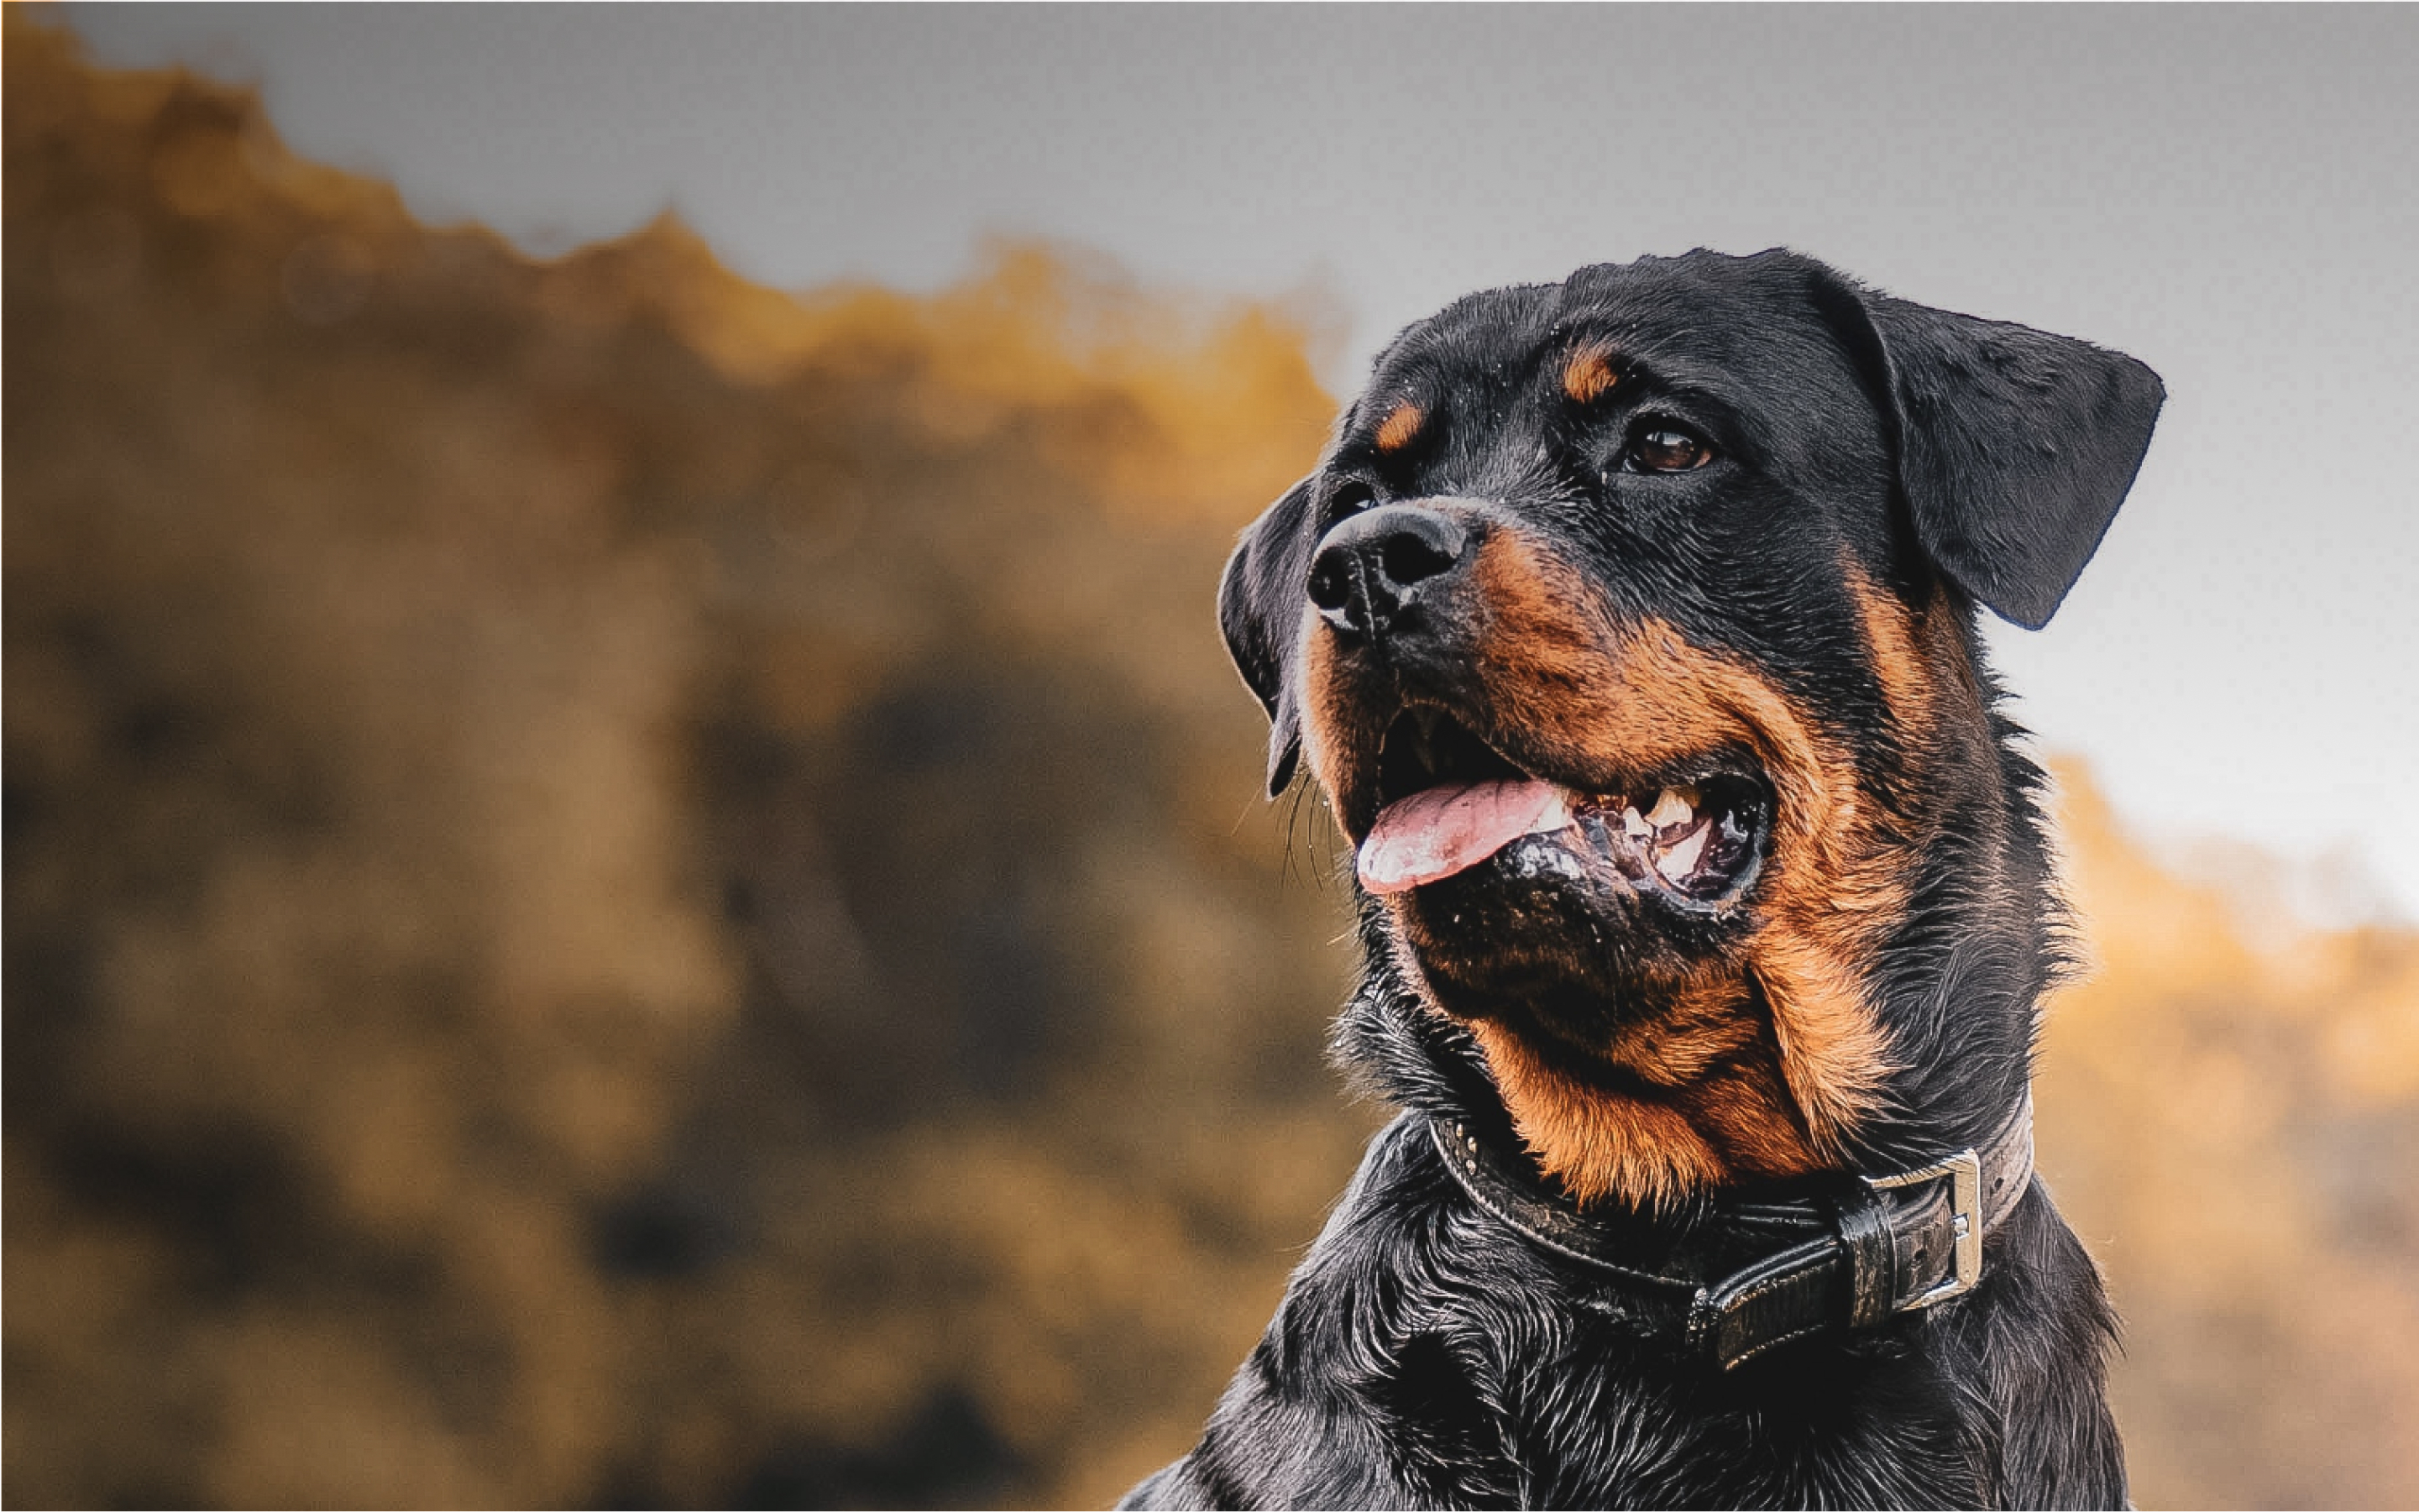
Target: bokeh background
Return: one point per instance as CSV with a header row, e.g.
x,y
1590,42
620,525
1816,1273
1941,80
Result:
x,y
625,888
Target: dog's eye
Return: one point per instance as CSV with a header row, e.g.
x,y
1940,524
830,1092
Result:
x,y
1350,498
1667,448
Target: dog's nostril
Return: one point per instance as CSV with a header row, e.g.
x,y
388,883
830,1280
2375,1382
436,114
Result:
x,y
1331,580
1410,556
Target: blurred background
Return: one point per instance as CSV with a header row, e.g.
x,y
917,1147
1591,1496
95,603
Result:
x,y
626,887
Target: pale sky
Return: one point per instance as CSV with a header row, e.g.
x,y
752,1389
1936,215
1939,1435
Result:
x,y
2230,193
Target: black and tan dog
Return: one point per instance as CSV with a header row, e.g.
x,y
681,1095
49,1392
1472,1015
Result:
x,y
1628,628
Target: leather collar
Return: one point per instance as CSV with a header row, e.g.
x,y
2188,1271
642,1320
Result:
x,y
1854,1253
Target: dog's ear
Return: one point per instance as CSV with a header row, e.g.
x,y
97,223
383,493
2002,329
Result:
x,y
2014,446
1259,608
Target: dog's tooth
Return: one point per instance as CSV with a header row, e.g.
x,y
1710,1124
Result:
x,y
1677,806
1633,826
1681,860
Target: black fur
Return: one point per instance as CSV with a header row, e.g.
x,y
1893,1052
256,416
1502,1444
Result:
x,y
1425,1354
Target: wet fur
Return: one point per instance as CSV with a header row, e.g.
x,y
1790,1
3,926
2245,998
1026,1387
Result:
x,y
1424,1354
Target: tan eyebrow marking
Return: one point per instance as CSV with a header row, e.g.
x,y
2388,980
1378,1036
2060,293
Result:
x,y
1402,422
1588,373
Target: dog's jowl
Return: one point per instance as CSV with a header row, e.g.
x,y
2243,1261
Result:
x,y
1628,627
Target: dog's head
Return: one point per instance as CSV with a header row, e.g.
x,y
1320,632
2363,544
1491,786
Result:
x,y
1627,627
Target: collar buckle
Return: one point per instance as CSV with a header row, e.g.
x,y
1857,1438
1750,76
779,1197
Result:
x,y
1963,1173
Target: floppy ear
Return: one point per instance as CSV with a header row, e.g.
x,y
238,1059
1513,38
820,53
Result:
x,y
1259,608
2014,447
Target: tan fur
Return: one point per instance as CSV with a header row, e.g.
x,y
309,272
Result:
x,y
1919,659
1716,1107
1642,1150
1906,679
1401,427
1337,736
1588,375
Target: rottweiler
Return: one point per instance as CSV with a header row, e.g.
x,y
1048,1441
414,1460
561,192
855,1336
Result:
x,y
1628,628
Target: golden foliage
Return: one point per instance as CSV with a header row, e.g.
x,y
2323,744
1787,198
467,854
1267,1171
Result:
x,y
620,886
2229,1115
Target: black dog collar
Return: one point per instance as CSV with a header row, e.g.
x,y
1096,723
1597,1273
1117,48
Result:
x,y
1858,1253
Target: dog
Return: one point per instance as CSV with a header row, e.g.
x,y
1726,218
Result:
x,y
1628,627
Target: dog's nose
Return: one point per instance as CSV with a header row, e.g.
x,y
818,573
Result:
x,y
1374,571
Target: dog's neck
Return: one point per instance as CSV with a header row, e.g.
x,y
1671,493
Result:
x,y
1397,1048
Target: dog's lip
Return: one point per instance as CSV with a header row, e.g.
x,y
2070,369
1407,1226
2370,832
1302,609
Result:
x,y
1595,790
1693,830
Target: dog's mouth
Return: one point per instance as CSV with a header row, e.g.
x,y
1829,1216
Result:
x,y
1449,802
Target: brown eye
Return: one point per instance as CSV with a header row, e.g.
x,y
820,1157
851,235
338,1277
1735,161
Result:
x,y
1665,449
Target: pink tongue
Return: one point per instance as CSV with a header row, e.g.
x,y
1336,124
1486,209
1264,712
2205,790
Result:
x,y
1451,828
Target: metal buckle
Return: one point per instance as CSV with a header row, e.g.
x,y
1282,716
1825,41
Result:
x,y
1965,1173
